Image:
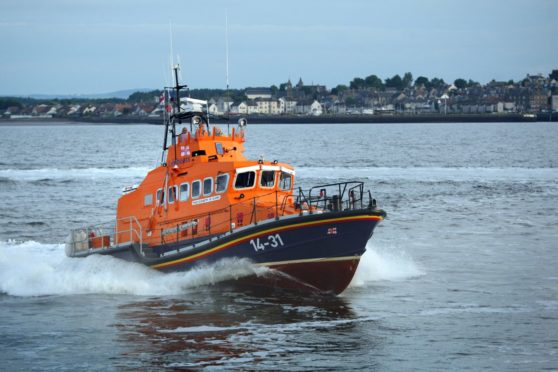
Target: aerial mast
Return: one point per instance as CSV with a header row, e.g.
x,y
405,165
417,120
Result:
x,y
176,111
227,72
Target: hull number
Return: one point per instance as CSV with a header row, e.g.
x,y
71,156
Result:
x,y
272,241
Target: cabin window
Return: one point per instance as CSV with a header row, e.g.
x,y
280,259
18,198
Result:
x,y
147,200
221,183
285,181
207,186
219,148
245,180
267,178
160,197
196,189
173,191
184,191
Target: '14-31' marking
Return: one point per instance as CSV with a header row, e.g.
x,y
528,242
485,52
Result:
x,y
273,241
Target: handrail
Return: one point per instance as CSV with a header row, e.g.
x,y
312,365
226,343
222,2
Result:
x,y
336,201
139,233
349,196
105,235
332,198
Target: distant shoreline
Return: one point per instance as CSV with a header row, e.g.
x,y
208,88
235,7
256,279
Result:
x,y
296,119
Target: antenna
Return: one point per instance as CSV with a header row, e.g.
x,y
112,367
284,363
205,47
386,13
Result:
x,y
227,46
167,115
227,70
171,48
165,75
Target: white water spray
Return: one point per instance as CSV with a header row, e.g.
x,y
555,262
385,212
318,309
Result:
x,y
380,264
36,269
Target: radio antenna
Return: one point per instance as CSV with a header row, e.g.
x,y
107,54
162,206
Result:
x,y
227,71
171,48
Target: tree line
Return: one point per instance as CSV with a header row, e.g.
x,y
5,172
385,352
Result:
x,y
371,82
399,82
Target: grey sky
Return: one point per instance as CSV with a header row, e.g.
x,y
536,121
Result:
x,y
96,46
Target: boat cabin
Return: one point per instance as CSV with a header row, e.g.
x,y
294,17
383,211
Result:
x,y
204,187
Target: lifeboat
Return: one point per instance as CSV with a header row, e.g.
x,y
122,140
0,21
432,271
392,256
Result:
x,y
206,202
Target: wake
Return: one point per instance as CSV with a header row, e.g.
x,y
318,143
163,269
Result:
x,y
71,174
36,269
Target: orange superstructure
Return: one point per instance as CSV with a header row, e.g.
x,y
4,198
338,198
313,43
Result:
x,y
205,183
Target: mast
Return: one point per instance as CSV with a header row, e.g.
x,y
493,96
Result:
x,y
168,116
177,88
167,120
227,71
176,111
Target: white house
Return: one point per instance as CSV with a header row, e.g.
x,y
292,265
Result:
x,y
268,106
316,108
212,109
53,111
252,108
287,106
242,108
74,110
309,108
89,110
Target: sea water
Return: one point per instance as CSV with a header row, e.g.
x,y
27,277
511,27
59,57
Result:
x,y
463,274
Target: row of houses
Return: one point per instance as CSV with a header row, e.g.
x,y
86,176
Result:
x,y
266,106
107,110
535,93
280,106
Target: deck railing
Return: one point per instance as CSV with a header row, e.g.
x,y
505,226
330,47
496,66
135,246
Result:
x,y
337,197
327,198
271,206
105,235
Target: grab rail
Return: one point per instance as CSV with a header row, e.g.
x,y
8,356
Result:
x,y
104,236
216,223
